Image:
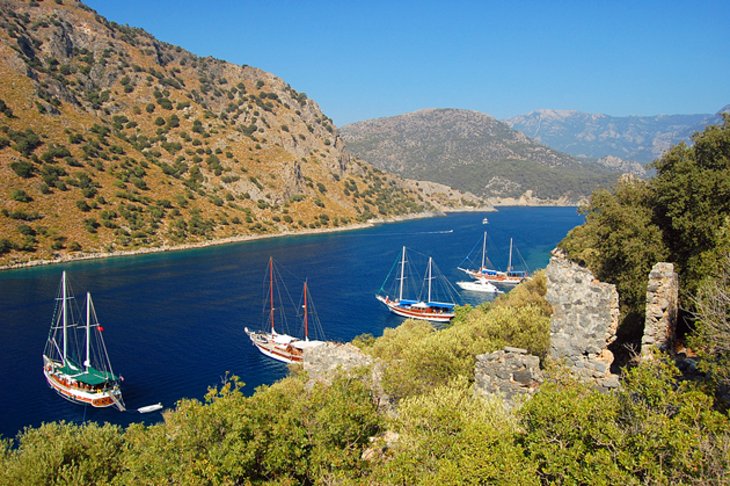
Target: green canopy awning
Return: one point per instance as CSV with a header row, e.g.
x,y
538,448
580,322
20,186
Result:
x,y
92,376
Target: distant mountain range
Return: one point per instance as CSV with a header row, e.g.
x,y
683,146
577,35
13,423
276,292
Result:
x,y
594,136
473,152
111,140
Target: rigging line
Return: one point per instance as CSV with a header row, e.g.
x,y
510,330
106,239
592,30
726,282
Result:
x,y
468,255
382,286
522,259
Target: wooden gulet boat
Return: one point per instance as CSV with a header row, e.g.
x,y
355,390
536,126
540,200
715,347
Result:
x,y
87,381
511,277
282,347
428,309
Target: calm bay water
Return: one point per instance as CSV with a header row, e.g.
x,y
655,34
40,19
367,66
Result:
x,y
173,321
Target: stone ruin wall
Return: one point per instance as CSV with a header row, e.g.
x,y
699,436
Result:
x,y
584,322
510,373
660,324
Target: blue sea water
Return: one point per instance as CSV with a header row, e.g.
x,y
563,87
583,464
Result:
x,y
173,322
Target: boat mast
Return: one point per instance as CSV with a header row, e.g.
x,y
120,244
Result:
x,y
429,278
271,293
306,328
509,263
402,270
87,363
65,319
484,249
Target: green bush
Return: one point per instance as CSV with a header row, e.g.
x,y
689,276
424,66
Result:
x,y
23,168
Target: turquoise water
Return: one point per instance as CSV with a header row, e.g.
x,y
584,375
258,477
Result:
x,y
174,321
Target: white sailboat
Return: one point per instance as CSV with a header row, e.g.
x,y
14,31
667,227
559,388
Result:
x,y
418,308
75,360
511,277
282,347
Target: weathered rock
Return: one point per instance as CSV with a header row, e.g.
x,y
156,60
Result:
x,y
510,373
322,362
660,322
584,322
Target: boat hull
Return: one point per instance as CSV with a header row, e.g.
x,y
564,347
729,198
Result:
x,y
411,312
99,399
480,286
264,342
497,279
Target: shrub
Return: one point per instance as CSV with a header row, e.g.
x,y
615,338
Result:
x,y
23,168
20,196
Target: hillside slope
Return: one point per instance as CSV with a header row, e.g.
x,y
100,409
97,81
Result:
x,y
471,151
112,140
594,135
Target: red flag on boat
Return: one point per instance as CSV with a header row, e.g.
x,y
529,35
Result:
x,y
100,328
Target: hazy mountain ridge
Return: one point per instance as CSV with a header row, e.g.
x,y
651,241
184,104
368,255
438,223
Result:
x,y
471,151
112,140
595,136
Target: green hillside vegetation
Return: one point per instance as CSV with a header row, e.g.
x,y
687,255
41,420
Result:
x,y
111,140
654,430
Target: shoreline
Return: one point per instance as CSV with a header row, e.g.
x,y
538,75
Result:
x,y
244,238
227,240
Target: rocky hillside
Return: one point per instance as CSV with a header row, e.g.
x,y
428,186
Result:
x,y
474,152
112,140
630,138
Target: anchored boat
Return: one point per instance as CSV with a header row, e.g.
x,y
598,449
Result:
x,y
282,347
419,308
510,277
75,360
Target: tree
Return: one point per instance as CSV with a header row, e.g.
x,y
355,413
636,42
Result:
x,y
712,333
619,242
692,193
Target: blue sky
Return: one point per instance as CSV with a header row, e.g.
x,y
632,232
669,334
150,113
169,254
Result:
x,y
369,59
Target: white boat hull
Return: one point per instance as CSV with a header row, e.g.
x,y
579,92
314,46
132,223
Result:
x,y
480,286
99,399
290,352
411,312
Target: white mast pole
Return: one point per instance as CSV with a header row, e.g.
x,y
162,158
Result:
x,y
484,249
87,363
306,327
65,319
509,264
271,292
402,270
429,278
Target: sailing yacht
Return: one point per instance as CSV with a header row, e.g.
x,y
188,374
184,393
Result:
x,y
75,360
510,277
428,309
282,347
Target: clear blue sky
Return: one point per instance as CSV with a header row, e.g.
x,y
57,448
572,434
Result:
x,y
372,58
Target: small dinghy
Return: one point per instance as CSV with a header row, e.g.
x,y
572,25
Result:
x,y
150,408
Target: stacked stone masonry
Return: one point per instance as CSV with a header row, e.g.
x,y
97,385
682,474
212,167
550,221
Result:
x,y
510,373
584,322
661,309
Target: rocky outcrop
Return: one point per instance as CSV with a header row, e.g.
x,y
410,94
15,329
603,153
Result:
x,y
325,362
322,362
584,322
510,373
661,309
